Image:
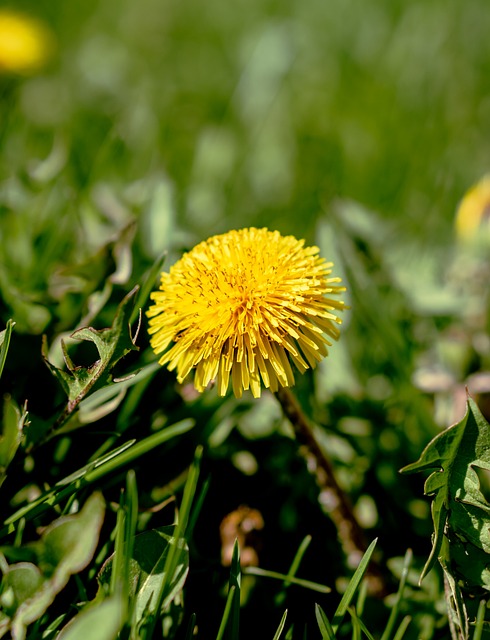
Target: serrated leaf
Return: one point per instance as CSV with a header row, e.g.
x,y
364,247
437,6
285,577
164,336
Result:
x,y
459,508
112,344
457,615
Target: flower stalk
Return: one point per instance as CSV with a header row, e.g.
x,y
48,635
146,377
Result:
x,y
332,497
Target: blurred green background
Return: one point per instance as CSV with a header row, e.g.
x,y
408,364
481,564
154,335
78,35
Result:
x,y
226,114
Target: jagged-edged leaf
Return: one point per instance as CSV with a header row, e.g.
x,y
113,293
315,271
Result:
x,y
66,547
459,508
112,344
457,613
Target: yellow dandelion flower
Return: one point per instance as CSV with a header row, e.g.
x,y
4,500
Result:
x,y
473,214
25,43
244,305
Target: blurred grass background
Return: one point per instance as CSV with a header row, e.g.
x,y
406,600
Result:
x,y
263,113
356,124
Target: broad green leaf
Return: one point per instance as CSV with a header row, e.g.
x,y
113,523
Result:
x,y
112,344
66,547
68,544
459,508
20,583
146,570
101,621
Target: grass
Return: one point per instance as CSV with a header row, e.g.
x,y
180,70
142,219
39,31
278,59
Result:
x,y
356,125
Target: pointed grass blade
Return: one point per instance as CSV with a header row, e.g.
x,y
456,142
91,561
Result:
x,y
281,626
352,587
324,624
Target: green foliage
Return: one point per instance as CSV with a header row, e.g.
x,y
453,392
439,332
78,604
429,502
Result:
x,y
100,622
356,124
42,569
112,345
460,510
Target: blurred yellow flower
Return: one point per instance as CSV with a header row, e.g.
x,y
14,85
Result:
x,y
243,305
25,43
473,215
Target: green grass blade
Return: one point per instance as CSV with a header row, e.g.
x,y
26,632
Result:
x,y
399,596
361,598
352,587
148,285
480,620
189,635
307,584
358,626
132,512
139,449
235,582
196,508
402,628
298,557
95,471
281,596
174,550
124,542
226,614
117,573
281,626
324,624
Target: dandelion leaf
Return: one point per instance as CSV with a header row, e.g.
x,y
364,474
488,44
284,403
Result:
x,y
65,548
112,344
460,510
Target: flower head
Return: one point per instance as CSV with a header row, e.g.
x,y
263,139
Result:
x,y
245,305
473,215
25,43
